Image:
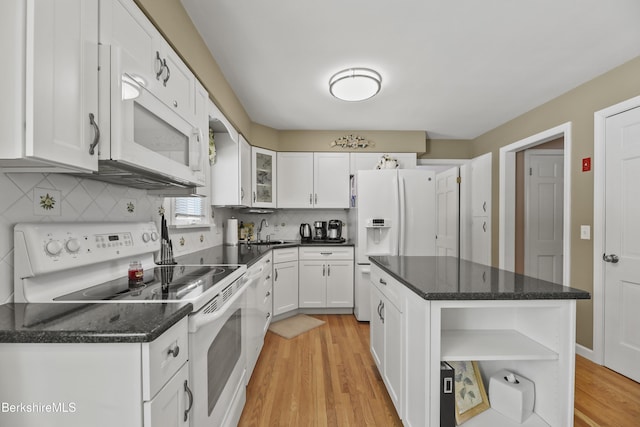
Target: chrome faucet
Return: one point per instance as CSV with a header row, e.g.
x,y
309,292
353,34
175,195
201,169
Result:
x,y
263,223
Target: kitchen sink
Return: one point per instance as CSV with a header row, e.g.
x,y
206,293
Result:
x,y
272,242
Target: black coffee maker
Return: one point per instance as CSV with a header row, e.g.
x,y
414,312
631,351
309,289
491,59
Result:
x,y
319,230
334,230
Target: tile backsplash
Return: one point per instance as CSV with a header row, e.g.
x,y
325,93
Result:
x,y
38,197
285,224
42,197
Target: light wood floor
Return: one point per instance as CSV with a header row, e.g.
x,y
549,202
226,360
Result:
x,y
326,377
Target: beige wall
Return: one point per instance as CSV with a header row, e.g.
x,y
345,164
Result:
x,y
576,106
383,141
447,149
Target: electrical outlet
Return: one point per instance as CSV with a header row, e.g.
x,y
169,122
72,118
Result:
x,y
585,232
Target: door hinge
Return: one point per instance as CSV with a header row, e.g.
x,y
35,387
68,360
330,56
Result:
x,y
458,180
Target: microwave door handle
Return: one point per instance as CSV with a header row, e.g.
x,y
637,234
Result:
x,y
197,165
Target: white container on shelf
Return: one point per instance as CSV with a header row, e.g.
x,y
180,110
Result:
x,y
511,395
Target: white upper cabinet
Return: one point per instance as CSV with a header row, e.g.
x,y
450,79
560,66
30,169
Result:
x,y
49,107
481,185
147,55
313,180
263,178
231,171
202,115
295,180
331,180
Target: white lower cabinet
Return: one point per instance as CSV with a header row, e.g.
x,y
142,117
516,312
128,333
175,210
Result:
x,y
258,309
99,384
532,338
169,407
386,341
326,277
285,280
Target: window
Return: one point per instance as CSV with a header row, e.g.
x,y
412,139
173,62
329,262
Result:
x,y
190,211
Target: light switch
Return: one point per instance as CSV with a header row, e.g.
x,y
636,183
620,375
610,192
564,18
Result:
x,y
585,232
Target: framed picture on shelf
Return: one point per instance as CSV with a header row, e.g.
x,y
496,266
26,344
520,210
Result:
x,y
470,394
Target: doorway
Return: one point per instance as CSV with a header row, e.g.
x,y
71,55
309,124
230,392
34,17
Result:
x,y
508,205
539,211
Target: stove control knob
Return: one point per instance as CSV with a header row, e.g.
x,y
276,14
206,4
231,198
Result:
x,y
145,237
72,245
53,247
154,236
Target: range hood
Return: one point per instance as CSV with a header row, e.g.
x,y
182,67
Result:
x,y
120,173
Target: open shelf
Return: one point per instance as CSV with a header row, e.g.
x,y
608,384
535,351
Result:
x,y
492,418
491,344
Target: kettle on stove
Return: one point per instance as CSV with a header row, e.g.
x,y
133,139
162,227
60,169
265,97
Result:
x,y
305,232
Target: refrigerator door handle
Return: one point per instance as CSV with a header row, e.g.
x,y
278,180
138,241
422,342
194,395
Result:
x,y
397,221
402,218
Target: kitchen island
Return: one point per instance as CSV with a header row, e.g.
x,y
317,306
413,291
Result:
x,y
431,309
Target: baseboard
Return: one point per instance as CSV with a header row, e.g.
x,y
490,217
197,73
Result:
x,y
585,352
347,310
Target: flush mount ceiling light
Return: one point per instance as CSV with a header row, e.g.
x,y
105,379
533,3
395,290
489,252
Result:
x,y
355,84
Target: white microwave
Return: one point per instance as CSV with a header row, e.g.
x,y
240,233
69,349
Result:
x,y
145,143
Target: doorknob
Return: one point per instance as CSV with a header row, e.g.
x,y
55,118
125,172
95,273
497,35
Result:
x,y
610,258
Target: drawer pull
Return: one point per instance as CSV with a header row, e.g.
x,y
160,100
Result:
x,y
384,282
174,351
326,253
186,389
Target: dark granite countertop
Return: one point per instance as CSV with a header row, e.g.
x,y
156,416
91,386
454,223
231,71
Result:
x,y
87,323
117,322
243,253
448,278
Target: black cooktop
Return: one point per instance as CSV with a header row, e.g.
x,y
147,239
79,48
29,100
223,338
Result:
x,y
171,283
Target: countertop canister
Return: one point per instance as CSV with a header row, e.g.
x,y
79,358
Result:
x,y
231,232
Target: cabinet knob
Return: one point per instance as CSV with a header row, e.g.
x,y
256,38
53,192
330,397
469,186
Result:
x,y
384,282
174,351
268,315
268,293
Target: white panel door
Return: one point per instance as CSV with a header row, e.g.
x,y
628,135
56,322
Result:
x,y
544,201
447,205
417,190
622,244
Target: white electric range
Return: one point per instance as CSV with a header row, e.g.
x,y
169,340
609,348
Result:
x,y
89,263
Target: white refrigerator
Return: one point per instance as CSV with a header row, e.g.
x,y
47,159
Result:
x,y
396,215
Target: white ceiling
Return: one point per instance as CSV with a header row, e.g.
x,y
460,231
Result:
x,y
453,68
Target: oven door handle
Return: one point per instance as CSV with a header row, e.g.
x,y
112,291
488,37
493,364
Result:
x,y
200,319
